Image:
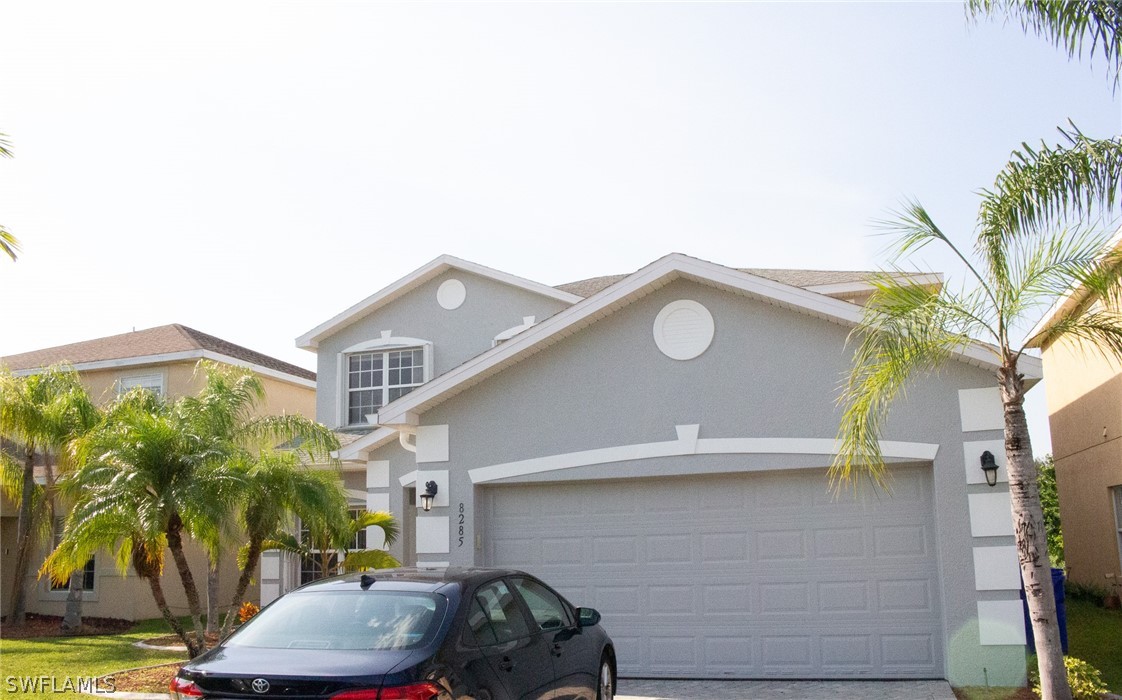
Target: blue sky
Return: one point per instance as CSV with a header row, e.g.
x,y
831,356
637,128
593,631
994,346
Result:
x,y
251,169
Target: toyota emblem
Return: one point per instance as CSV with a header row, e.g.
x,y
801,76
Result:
x,y
260,685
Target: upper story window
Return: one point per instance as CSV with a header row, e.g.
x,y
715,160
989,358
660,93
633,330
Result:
x,y
376,378
151,382
374,373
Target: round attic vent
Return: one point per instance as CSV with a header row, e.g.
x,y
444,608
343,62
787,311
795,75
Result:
x,y
451,294
683,329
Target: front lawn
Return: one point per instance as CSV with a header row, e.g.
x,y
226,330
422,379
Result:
x,y
1093,634
30,666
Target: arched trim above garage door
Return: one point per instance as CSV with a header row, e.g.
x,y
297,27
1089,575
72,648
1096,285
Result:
x,y
688,443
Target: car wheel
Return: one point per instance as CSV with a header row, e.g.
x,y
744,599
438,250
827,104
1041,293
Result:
x,y
605,687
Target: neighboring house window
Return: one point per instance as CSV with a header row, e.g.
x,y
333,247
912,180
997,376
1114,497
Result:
x,y
87,572
151,382
378,377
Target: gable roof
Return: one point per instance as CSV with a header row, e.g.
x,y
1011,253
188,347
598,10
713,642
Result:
x,y
407,409
160,344
310,340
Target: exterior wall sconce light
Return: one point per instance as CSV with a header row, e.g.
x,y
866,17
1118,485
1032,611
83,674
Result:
x,y
989,466
430,493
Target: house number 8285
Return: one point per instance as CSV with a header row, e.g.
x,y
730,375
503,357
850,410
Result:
x,y
461,524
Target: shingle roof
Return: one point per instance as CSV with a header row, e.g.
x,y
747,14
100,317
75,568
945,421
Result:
x,y
152,341
795,278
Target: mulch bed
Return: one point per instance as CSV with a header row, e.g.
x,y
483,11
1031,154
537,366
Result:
x,y
37,625
146,680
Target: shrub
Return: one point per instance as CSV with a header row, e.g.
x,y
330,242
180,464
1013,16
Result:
x,y
1085,680
248,610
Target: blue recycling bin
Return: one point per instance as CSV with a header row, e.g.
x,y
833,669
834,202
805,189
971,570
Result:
x,y
1061,613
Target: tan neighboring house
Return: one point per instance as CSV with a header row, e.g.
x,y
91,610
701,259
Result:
x,y
161,359
1084,392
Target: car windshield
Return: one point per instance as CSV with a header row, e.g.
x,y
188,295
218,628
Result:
x,y
344,620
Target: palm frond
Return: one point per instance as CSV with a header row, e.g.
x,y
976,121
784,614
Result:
x,y
5,146
907,330
1070,24
1040,188
9,244
295,431
1096,332
913,228
369,559
1049,267
380,519
11,478
285,542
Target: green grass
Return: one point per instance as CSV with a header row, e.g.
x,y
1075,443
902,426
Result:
x,y
1093,635
77,657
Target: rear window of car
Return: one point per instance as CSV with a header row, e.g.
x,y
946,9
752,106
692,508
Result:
x,y
345,620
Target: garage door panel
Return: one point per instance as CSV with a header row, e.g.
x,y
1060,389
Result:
x,y
738,575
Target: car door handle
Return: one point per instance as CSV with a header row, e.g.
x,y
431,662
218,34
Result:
x,y
557,649
506,664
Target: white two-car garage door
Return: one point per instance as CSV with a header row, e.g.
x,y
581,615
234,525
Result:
x,y
749,575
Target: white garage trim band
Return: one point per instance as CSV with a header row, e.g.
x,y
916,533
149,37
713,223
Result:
x,y
687,444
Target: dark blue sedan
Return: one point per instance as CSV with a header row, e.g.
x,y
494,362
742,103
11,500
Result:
x,y
412,634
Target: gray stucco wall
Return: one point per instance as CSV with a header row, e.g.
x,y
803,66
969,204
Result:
x,y
457,335
770,372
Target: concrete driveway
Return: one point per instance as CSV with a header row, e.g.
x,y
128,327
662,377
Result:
x,y
634,689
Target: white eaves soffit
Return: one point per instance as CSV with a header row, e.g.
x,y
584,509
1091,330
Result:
x,y
407,409
438,266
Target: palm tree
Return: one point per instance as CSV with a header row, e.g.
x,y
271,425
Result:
x,y
328,533
1070,24
225,411
277,486
39,415
9,244
158,469
147,478
1027,260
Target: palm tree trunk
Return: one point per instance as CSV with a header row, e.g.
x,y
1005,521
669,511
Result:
x,y
243,583
212,594
1031,539
25,543
175,545
72,620
193,648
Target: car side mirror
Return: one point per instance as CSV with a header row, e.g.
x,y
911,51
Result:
x,y
588,617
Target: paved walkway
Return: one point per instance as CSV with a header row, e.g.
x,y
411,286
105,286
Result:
x,y
632,689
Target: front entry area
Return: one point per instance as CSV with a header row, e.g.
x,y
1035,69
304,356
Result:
x,y
746,575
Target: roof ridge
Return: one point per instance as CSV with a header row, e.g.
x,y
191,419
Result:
x,y
188,333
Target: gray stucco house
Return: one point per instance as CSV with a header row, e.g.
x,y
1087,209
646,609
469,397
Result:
x,y
655,446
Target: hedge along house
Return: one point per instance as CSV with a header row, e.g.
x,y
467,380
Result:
x,y
655,445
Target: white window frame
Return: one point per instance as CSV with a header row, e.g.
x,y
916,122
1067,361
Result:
x,y
386,344
153,381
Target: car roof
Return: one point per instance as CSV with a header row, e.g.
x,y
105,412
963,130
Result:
x,y
409,579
